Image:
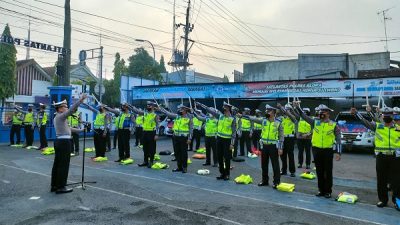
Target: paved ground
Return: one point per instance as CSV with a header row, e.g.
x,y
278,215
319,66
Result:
x,y
133,195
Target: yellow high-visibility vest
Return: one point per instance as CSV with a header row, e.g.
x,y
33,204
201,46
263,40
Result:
x,y
270,131
323,134
225,126
211,127
387,139
149,123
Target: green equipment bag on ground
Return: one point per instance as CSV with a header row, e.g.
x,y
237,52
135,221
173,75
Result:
x,y
189,161
201,151
346,197
308,175
48,151
100,159
127,161
244,179
89,149
157,157
159,166
286,187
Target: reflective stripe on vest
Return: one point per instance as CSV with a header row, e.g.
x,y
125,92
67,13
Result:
x,y
304,127
124,121
323,134
270,132
225,126
197,124
181,126
288,126
387,139
246,124
211,127
99,121
149,122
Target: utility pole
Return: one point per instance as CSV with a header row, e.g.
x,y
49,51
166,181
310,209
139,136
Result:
x,y
384,14
28,49
188,28
173,35
67,43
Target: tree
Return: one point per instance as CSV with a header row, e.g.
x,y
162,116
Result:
x,y
226,79
141,64
119,69
8,67
162,65
112,87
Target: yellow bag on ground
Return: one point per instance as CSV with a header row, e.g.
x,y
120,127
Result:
x,y
159,166
90,149
48,151
157,157
347,198
244,179
308,175
32,147
201,151
189,161
286,187
127,161
100,159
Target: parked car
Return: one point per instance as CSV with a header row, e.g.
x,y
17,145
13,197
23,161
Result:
x,y
168,129
354,134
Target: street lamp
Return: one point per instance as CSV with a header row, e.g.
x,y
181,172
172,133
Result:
x,y
154,52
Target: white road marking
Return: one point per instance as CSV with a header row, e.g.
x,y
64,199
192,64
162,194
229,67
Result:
x,y
135,197
6,181
84,208
34,198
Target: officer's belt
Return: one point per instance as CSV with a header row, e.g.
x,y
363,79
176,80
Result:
x,y
289,135
64,137
268,141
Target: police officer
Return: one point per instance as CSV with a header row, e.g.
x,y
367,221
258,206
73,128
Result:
x,y
325,137
257,131
100,125
150,131
387,151
62,146
41,122
139,130
304,134
16,127
28,122
183,131
115,123
225,137
197,125
272,138
246,132
125,126
211,126
74,121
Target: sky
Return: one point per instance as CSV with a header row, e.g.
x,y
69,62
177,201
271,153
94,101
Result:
x,y
226,34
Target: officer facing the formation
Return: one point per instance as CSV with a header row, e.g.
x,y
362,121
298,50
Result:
x,y
41,122
387,151
225,137
100,125
326,135
150,133
211,126
197,125
246,132
62,146
74,121
139,130
125,125
28,122
289,128
183,131
257,131
17,119
272,138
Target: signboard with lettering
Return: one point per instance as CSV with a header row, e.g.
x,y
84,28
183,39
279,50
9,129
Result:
x,y
32,44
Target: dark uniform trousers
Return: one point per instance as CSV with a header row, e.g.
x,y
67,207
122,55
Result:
x,y
224,155
59,173
304,145
245,138
196,137
288,153
211,147
124,149
108,140
181,154
75,143
28,135
149,146
268,152
115,138
15,130
99,143
43,138
388,171
323,158
256,138
235,146
139,136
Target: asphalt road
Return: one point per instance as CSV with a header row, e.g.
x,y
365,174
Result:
x,y
133,195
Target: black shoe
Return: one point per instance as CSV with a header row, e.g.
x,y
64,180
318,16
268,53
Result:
x,y
328,195
177,170
320,194
275,186
63,190
189,150
283,173
263,184
226,178
113,148
184,170
381,204
293,175
206,164
143,164
53,189
221,177
300,166
215,165
149,165
119,160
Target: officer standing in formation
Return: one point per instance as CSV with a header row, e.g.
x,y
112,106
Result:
x,y
211,126
115,126
225,137
183,133
197,125
139,130
62,145
387,151
257,131
41,123
325,137
272,139
74,121
17,119
29,124
245,130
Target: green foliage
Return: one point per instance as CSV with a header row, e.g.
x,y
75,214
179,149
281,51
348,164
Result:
x,y
77,82
162,65
141,64
112,92
226,79
8,67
